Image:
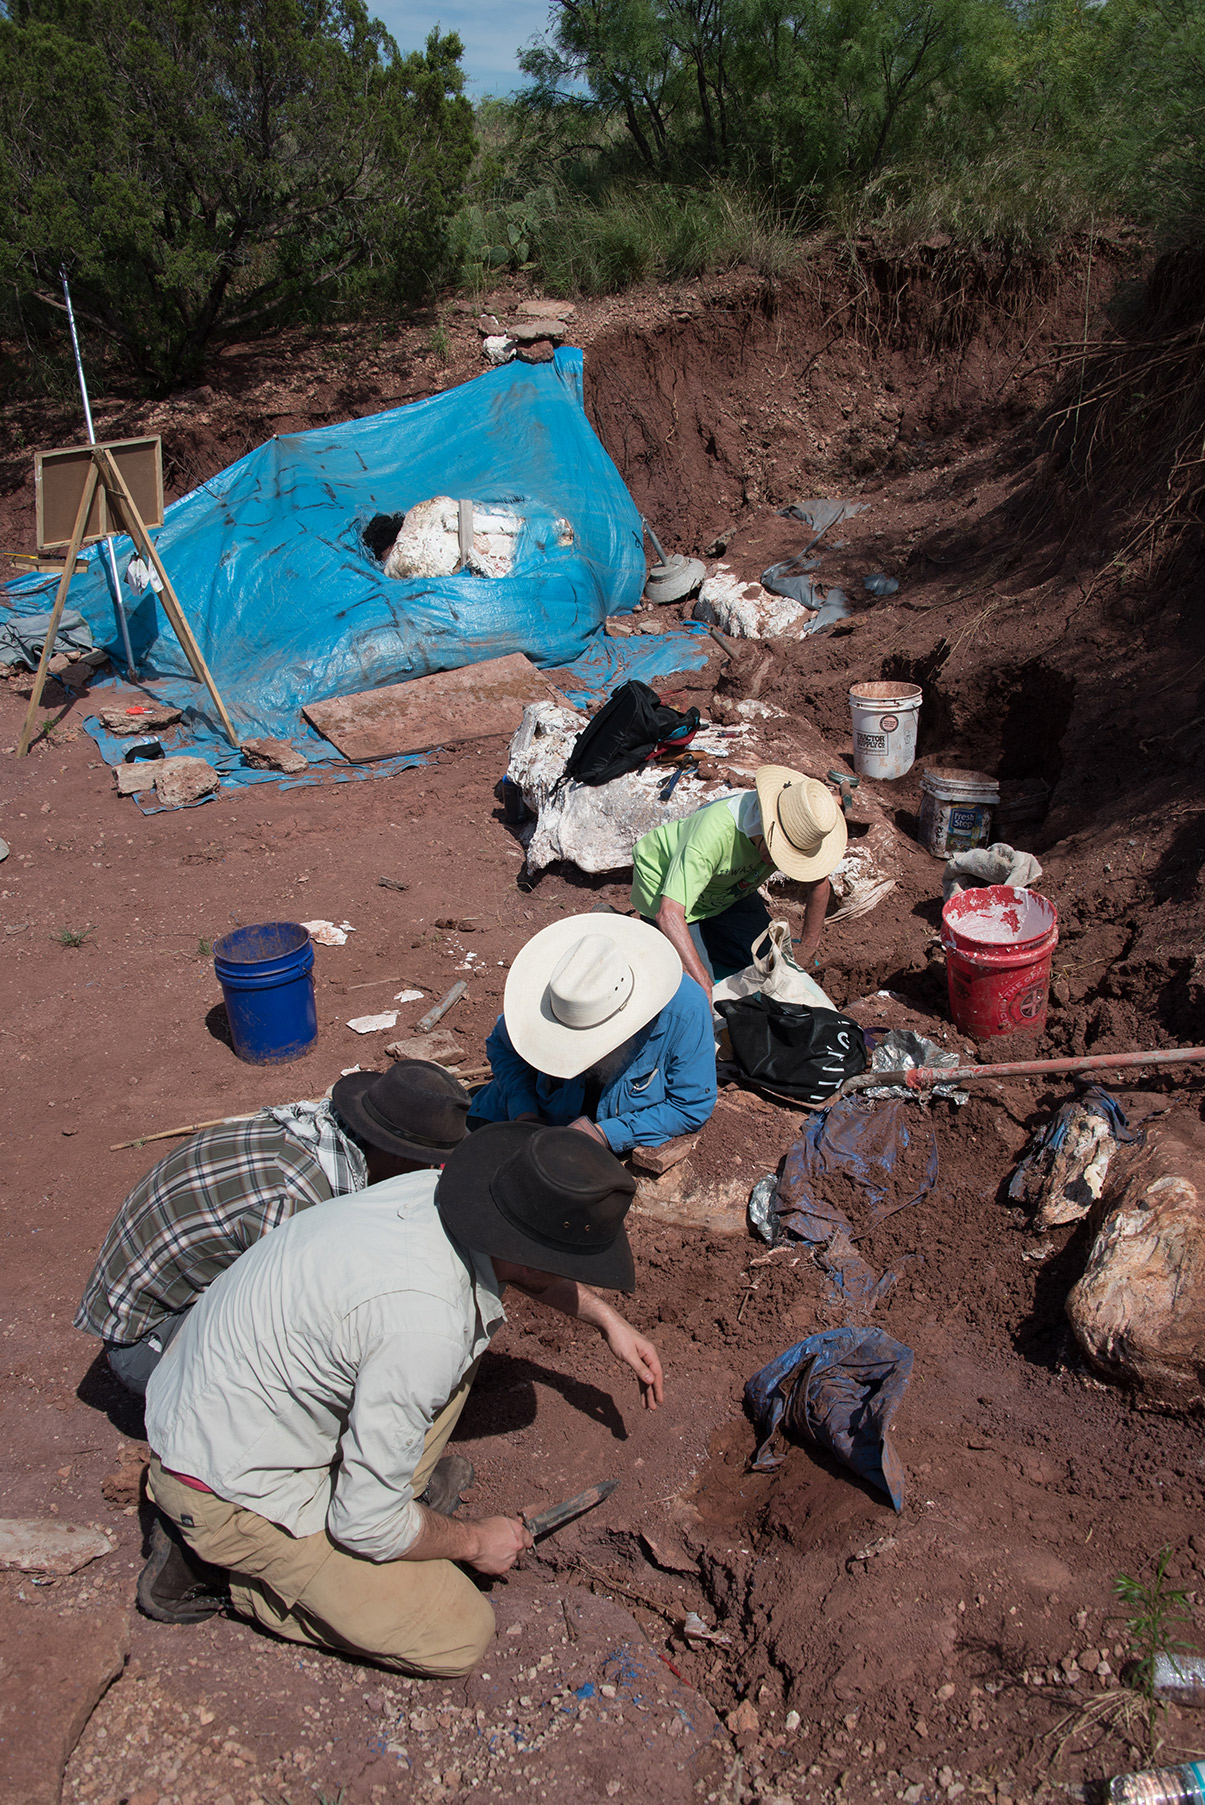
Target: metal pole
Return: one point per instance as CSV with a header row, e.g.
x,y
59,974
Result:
x,y
115,581
923,1077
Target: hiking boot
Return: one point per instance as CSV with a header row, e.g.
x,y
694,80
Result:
x,y
176,1585
453,1474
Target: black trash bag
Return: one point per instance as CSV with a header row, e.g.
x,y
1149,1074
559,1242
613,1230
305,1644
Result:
x,y
839,1389
633,726
791,1048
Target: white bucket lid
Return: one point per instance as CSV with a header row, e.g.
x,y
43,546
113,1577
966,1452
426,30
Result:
x,y
960,786
886,695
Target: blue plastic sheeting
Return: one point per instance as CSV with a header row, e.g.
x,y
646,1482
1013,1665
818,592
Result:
x,y
839,1389
288,606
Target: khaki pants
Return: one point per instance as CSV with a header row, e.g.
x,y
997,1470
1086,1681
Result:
x,y
424,1617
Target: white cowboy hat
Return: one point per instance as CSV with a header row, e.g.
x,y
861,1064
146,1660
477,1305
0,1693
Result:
x,y
804,828
583,986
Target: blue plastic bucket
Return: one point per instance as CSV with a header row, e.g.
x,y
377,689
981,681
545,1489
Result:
x,y
266,974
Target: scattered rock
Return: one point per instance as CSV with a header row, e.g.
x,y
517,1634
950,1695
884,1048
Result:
x,y
530,332
440,1046
52,1672
150,718
658,1160
374,1024
182,780
498,349
1139,1310
130,779
489,325
123,1486
743,1721
537,354
326,933
549,310
42,1545
273,755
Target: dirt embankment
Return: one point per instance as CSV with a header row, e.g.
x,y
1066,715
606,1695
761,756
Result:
x,y
943,1652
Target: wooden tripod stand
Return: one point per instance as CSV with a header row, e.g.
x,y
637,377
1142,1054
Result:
x,y
104,473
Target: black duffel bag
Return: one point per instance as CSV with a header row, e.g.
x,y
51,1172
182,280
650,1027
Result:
x,y
793,1049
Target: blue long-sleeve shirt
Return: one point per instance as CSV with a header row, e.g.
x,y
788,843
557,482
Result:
x,y
667,1087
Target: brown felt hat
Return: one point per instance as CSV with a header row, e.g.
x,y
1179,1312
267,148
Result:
x,y
416,1109
552,1198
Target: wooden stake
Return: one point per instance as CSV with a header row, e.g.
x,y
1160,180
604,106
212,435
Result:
x,y
172,1134
56,613
115,482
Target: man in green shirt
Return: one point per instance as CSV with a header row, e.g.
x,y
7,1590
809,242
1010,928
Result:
x,y
698,878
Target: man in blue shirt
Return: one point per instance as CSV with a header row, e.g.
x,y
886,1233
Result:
x,y
601,1031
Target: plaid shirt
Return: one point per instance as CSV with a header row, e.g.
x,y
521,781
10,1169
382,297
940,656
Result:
x,y
200,1208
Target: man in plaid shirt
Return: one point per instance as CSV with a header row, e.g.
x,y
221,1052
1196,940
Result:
x,y
211,1199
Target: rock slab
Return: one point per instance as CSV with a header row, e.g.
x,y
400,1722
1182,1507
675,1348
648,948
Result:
x,y
179,781
274,755
1138,1312
52,1672
44,1545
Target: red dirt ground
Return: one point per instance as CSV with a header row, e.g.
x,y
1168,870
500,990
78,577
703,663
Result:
x,y
925,1655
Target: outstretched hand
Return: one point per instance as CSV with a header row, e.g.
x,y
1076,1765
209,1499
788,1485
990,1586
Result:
x,y
639,1353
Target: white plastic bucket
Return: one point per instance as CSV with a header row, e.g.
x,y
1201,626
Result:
x,y
884,727
956,811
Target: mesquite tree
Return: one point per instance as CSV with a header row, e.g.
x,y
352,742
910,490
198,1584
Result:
x,y
210,168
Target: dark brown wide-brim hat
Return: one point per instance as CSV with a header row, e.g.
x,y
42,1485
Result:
x,y
552,1198
416,1109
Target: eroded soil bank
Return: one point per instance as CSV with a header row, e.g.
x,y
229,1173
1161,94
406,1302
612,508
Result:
x,y
943,1650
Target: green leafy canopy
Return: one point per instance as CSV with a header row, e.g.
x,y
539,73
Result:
x,y
210,168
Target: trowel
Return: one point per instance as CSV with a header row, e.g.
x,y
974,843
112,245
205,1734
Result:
x,y
544,1522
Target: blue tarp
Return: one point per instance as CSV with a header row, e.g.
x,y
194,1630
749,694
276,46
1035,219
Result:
x,y
289,607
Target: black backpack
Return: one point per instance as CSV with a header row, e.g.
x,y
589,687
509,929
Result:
x,y
631,728
792,1049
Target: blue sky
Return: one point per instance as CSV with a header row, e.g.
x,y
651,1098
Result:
x,y
492,34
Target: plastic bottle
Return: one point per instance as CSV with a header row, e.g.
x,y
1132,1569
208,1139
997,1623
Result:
x,y
1160,1786
1180,1677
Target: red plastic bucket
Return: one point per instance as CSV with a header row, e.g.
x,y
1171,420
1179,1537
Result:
x,y
998,944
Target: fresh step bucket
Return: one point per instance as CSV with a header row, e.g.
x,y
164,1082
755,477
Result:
x,y
267,978
884,727
956,811
998,943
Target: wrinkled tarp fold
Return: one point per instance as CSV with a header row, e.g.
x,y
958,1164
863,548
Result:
x,y
839,1389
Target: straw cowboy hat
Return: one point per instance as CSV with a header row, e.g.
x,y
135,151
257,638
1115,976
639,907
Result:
x,y
803,826
583,986
545,1197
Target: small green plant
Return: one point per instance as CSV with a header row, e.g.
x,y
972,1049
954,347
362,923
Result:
x,y
1156,1611
439,343
73,936
204,947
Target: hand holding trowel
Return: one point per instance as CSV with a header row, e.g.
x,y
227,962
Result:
x,y
543,1522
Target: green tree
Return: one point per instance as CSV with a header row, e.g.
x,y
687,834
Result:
x,y
211,168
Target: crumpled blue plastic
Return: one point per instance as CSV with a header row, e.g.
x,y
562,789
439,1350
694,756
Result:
x,y
839,1389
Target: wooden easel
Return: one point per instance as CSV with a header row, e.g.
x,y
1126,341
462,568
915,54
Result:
x,y
104,472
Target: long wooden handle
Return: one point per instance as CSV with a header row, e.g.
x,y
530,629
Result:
x,y
56,613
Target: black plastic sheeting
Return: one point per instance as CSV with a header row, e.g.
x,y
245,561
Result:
x,y
840,1390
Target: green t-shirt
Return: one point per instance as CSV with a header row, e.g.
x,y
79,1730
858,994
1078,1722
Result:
x,y
706,861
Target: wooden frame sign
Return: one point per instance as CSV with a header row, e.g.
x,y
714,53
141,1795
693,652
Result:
x,y
59,479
